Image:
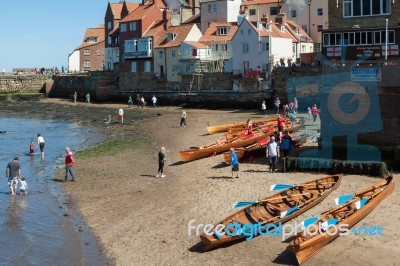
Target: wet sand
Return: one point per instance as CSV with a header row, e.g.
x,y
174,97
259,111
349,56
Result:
x,y
143,220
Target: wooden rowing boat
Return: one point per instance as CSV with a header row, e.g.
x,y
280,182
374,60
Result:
x,y
225,127
258,149
220,146
270,209
304,246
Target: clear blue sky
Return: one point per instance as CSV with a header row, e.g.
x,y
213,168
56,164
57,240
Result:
x,y
43,33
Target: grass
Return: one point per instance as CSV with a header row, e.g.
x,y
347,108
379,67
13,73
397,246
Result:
x,y
111,148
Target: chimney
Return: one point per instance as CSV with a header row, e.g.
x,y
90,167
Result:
x,y
280,19
164,17
240,19
265,18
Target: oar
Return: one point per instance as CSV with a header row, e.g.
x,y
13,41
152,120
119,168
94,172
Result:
x,y
277,187
325,225
344,198
309,221
361,203
240,204
289,211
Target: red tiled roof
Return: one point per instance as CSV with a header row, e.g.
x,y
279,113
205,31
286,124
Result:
x,y
211,32
141,11
276,32
155,31
116,9
92,32
258,2
181,33
132,6
197,45
291,26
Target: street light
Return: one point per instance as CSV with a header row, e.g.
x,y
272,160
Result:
x,y
309,17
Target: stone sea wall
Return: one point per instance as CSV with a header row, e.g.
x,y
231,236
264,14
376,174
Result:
x,y
22,83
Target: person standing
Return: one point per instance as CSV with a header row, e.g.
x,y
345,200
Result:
x,y
142,102
295,105
309,112
272,154
280,123
314,113
277,103
23,186
249,127
286,144
183,119
75,97
69,162
130,102
234,163
154,101
13,173
41,144
264,109
88,97
31,148
121,114
161,161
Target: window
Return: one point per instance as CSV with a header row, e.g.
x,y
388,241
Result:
x,y
160,54
252,12
305,28
86,64
98,52
249,32
123,27
134,66
332,39
265,46
171,36
297,30
216,47
86,52
273,10
215,8
91,39
245,47
282,28
358,8
109,25
320,11
241,32
173,54
147,66
224,47
320,28
132,26
209,8
109,40
380,37
222,31
293,13
194,52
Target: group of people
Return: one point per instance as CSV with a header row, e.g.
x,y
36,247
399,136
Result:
x,y
141,101
13,169
83,97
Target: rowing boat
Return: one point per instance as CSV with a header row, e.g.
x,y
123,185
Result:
x,y
275,209
220,146
345,216
225,127
258,149
269,124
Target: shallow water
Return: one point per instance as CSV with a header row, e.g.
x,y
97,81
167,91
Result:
x,y
37,229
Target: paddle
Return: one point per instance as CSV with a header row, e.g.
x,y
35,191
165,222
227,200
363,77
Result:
x,y
344,198
325,225
240,204
277,187
309,221
361,203
289,211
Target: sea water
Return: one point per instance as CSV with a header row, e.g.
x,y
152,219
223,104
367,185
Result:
x,y
37,229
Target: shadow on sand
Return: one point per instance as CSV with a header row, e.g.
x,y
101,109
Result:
x,y
286,258
219,166
220,177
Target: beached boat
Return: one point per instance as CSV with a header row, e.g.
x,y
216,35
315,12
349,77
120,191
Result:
x,y
275,209
258,149
220,146
225,127
344,216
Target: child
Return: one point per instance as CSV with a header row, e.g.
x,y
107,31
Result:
x,y
23,186
31,148
108,121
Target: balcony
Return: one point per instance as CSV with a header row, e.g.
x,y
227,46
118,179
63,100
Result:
x,y
138,54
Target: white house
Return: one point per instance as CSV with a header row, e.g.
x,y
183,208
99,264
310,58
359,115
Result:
x,y
74,61
218,10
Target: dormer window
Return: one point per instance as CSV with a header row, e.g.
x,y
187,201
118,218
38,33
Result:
x,y
222,30
171,36
282,28
297,30
91,39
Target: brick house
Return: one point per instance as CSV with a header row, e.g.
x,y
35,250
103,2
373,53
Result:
x,y
358,29
89,55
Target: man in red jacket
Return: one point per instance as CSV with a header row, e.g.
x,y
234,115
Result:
x,y
69,162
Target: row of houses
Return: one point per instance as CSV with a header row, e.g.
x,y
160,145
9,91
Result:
x,y
174,38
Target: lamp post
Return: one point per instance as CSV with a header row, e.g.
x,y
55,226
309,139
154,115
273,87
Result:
x,y
309,17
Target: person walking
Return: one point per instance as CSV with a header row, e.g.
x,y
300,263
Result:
x,y
314,113
161,161
69,162
88,97
41,143
234,163
154,101
13,173
75,97
272,154
277,103
121,114
183,119
130,102
264,109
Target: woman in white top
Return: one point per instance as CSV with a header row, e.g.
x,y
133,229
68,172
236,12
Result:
x,y
40,144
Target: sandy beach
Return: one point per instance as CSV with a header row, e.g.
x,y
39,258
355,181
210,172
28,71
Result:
x,y
140,219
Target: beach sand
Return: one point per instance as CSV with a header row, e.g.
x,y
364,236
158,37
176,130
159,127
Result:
x,y
140,219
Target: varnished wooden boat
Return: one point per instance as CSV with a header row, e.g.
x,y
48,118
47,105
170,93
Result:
x,y
220,146
269,210
225,127
258,149
304,246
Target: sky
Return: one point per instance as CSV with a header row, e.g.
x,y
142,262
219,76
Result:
x,y
43,33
